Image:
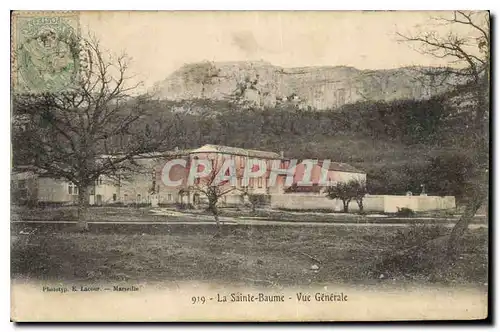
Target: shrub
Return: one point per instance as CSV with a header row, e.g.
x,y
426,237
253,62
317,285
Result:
x,y
184,206
118,204
166,205
140,205
405,212
255,200
45,205
259,199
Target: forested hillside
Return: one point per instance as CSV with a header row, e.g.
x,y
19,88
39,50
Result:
x,y
397,143
401,144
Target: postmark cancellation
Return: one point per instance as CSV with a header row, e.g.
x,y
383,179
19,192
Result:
x,y
45,51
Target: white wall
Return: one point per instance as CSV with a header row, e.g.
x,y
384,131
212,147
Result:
x,y
54,190
375,203
299,201
418,203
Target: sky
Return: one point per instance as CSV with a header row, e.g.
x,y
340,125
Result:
x,y
161,42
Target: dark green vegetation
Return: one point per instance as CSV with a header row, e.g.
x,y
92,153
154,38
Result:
x,y
265,255
400,144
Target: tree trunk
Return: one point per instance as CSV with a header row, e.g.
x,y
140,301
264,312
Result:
x,y
217,221
346,206
83,201
213,208
463,224
360,204
215,212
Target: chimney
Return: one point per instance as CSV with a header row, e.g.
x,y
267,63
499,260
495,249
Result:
x,y
282,154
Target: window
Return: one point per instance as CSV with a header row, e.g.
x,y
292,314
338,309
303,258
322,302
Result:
x,y
259,182
153,177
114,197
72,189
196,199
169,197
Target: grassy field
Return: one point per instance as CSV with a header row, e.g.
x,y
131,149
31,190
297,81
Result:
x,y
69,213
255,255
145,214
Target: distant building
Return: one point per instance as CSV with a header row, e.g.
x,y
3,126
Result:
x,y
335,172
147,186
218,154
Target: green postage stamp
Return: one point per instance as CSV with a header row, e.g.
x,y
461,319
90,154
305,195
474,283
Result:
x,y
45,51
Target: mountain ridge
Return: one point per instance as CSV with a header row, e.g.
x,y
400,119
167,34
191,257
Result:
x,y
263,84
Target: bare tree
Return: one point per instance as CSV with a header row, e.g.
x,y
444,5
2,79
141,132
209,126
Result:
x,y
213,188
465,42
93,128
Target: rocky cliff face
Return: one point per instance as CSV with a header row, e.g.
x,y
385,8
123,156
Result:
x,y
263,84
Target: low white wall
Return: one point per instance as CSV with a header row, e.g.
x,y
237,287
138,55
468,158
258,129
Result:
x,y
418,203
375,203
295,201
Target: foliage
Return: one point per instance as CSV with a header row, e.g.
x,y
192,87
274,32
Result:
x,y
116,204
139,205
366,134
258,200
184,206
397,179
92,128
199,121
358,192
348,191
468,49
448,174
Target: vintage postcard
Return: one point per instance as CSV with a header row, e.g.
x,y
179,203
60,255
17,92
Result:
x,y
249,166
